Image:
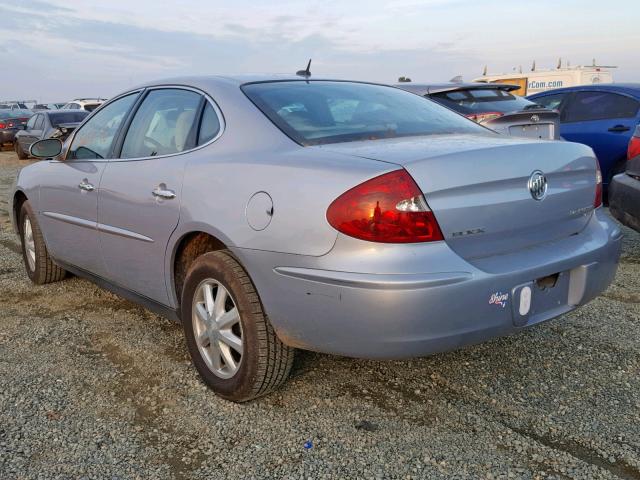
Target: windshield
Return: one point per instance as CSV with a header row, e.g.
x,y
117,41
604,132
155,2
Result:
x,y
480,100
318,112
67,117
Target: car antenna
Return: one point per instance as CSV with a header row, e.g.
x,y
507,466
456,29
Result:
x,y
306,72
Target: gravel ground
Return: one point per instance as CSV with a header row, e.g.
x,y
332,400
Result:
x,y
93,386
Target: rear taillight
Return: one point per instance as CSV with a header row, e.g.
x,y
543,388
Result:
x,y
483,117
3,125
634,148
598,198
388,209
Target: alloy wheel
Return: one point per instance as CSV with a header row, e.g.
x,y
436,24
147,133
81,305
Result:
x,y
29,244
217,328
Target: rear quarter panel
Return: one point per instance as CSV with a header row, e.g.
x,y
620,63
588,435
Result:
x,y
252,155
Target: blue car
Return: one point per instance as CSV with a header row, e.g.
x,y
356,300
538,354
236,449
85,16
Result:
x,y
601,116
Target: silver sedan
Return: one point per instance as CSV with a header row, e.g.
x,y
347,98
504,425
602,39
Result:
x,y
274,213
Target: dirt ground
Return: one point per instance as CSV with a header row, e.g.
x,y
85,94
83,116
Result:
x,y
93,386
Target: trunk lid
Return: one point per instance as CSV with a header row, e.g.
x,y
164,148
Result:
x,y
538,123
477,187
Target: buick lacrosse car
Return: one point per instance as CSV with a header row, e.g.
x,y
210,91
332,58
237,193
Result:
x,y
273,213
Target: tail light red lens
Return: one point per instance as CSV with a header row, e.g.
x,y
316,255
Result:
x,y
3,125
634,148
483,117
598,198
388,209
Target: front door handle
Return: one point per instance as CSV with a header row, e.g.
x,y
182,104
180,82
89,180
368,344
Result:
x,y
162,191
620,128
86,186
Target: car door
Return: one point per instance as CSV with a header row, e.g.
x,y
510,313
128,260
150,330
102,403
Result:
x,y
139,203
36,133
24,136
603,120
69,189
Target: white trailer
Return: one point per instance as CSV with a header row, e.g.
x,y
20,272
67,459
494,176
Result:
x,y
541,80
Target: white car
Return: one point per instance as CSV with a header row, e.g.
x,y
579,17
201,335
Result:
x,y
88,104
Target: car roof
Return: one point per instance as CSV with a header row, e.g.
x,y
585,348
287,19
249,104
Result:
x,y
630,88
204,80
431,88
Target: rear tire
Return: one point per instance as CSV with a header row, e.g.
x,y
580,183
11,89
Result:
x,y
40,268
19,152
232,343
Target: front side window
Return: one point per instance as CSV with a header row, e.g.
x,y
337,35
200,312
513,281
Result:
x,y
550,101
163,124
94,139
31,123
587,106
39,122
319,112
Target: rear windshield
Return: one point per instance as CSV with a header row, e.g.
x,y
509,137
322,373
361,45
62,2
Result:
x,y
319,112
90,107
20,113
481,100
71,116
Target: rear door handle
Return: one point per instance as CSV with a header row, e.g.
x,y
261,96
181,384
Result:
x,y
162,191
619,128
86,186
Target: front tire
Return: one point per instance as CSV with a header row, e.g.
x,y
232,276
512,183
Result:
x,y
232,343
40,268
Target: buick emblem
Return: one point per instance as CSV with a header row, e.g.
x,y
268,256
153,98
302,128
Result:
x,y
535,118
537,185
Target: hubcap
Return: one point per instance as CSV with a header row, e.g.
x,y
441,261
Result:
x,y
217,328
29,244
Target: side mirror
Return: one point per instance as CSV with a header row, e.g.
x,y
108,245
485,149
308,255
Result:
x,y
47,148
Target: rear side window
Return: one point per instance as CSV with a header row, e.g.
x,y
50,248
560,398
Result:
x,y
599,106
94,139
319,112
550,101
163,124
480,100
209,126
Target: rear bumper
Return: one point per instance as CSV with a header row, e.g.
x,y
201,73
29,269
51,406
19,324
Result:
x,y
7,136
438,302
624,200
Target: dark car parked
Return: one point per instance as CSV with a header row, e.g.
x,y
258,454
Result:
x,y
493,106
624,191
602,116
11,121
47,124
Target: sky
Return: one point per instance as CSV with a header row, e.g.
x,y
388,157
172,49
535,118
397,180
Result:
x,y
55,50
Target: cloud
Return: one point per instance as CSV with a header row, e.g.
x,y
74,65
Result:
x,y
71,48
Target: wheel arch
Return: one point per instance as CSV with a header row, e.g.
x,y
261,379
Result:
x,y
19,197
187,248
